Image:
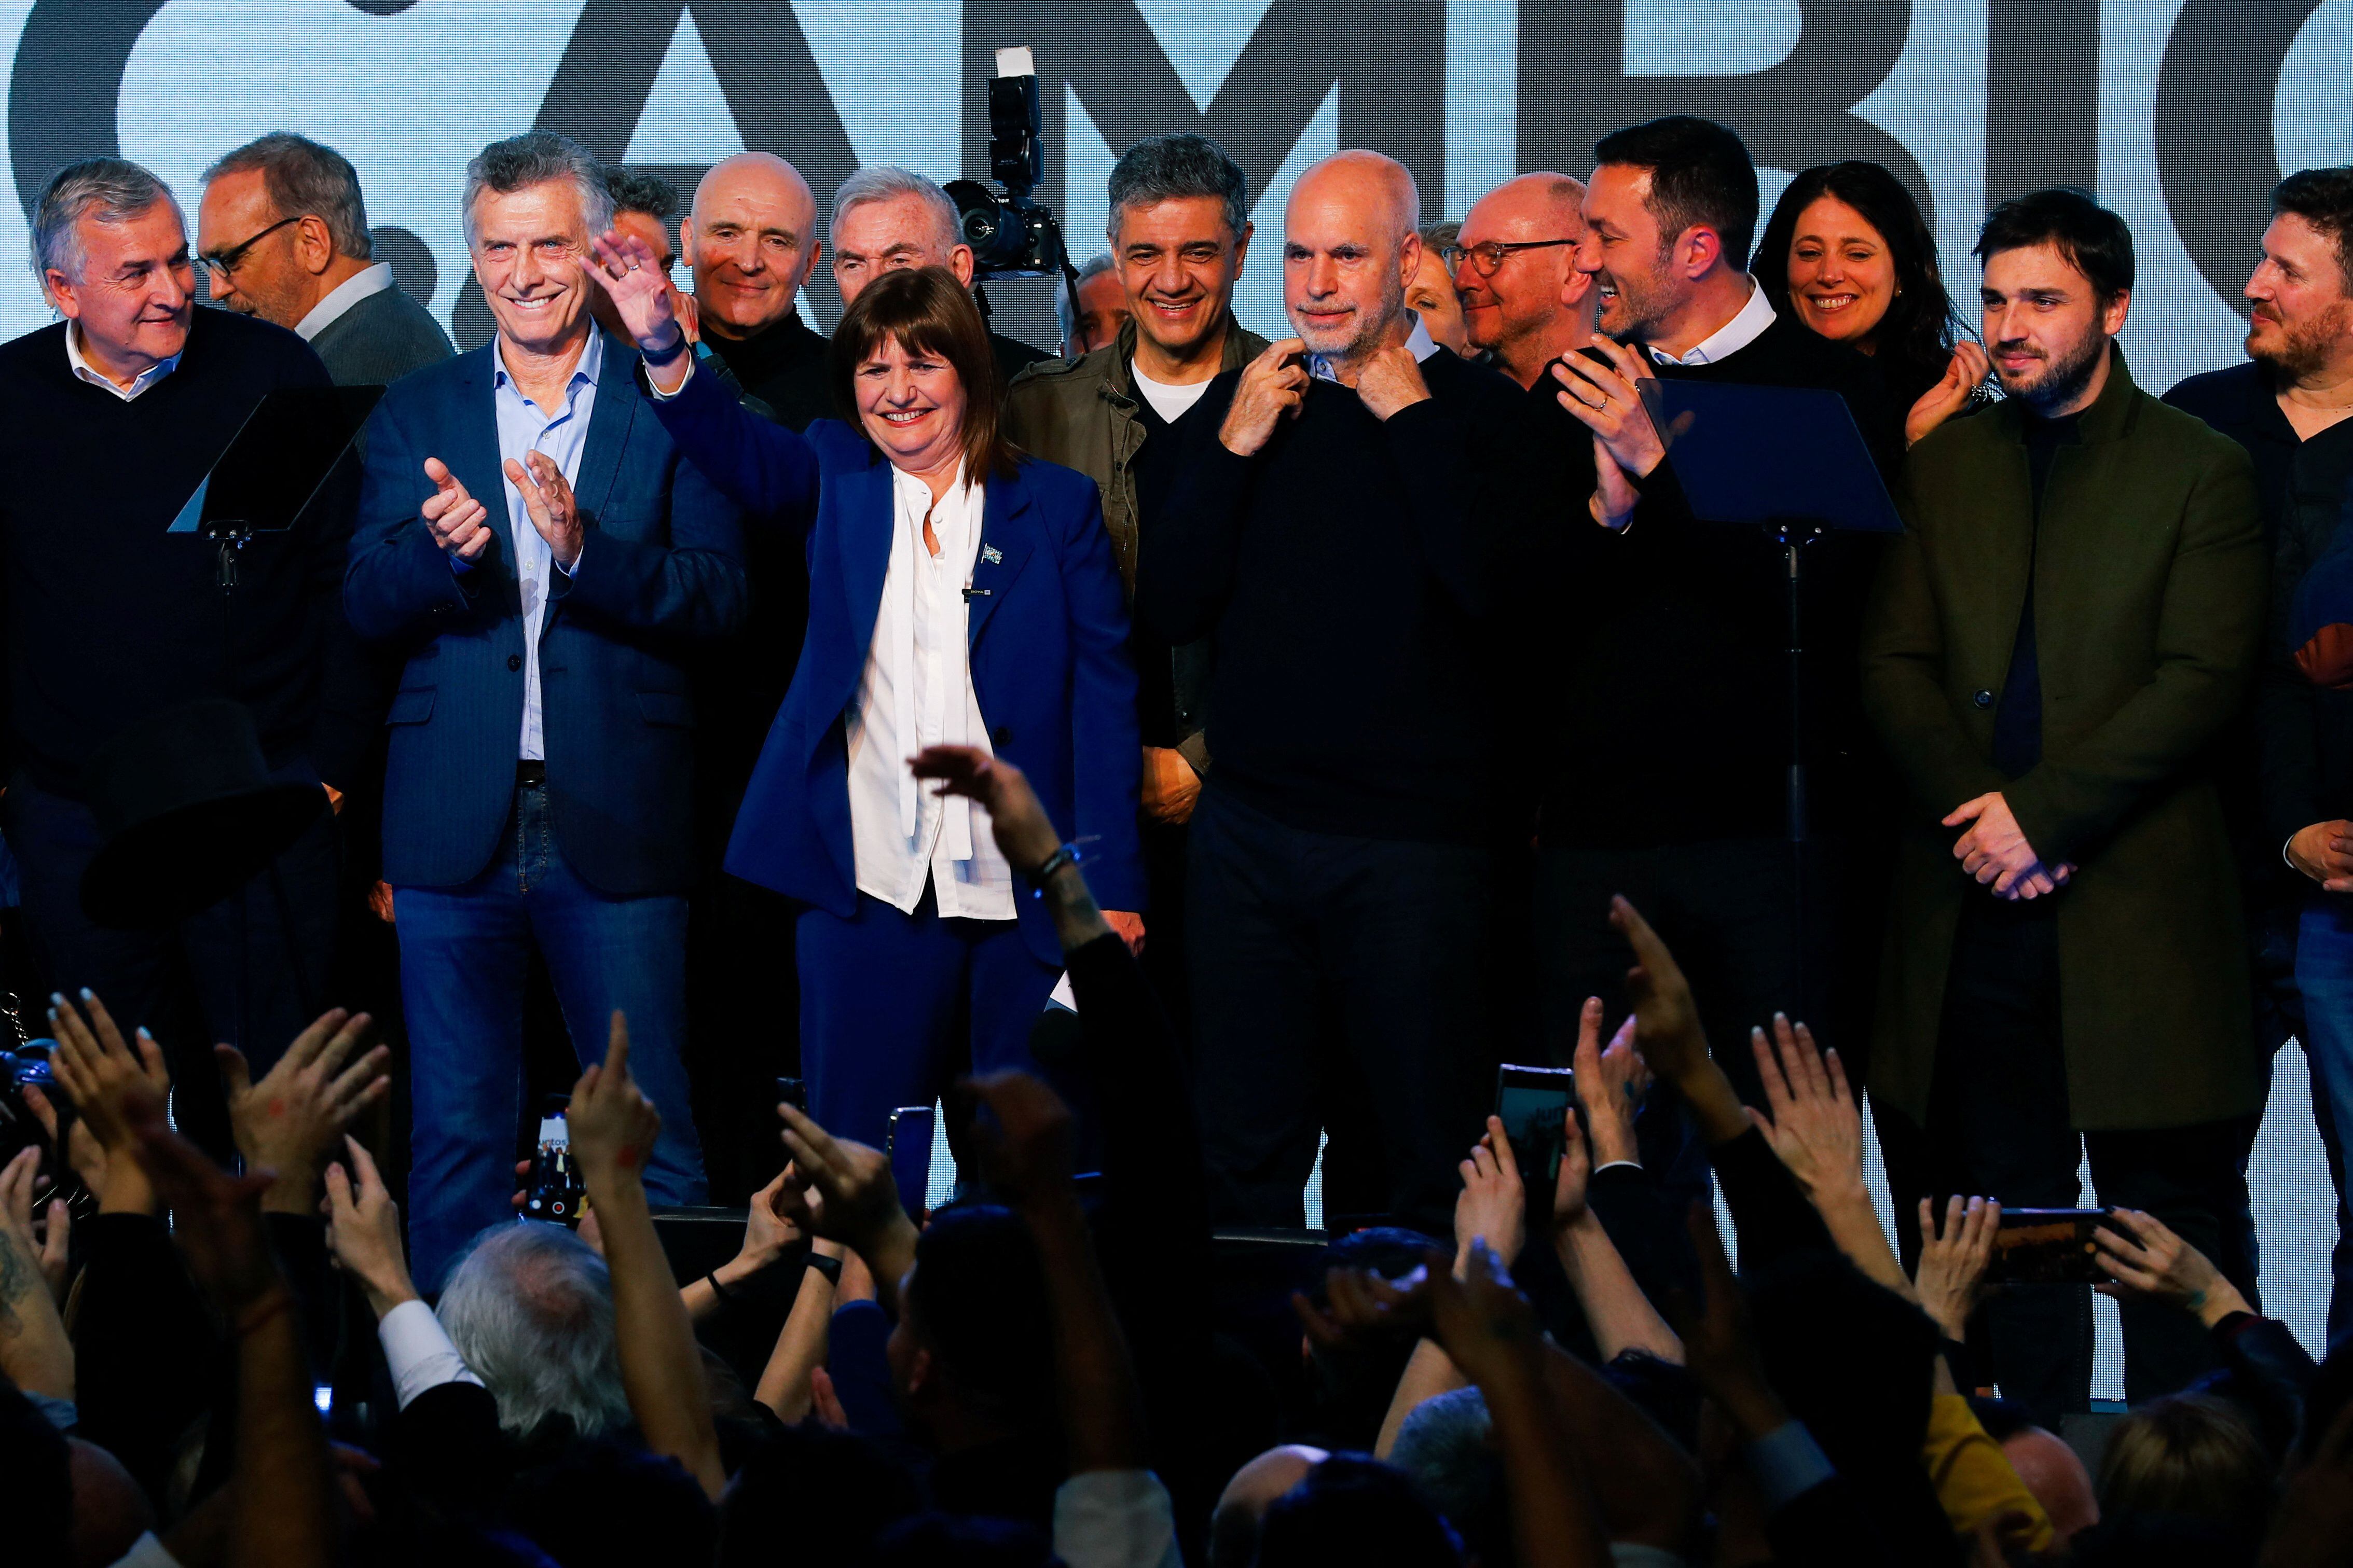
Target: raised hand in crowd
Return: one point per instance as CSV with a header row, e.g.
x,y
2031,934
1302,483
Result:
x,y
613,1127
100,1074
1273,388
1626,445
1022,1138
1607,1085
1815,1127
1667,1029
1028,839
856,1200
1950,1278
1493,1207
287,1124
74,1144
1609,1081
364,1230
2146,1260
1952,392
1489,1330
458,523
35,1352
1719,1341
282,1512
769,1232
1994,852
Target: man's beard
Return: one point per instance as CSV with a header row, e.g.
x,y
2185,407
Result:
x,y
2063,379
2302,349
1642,305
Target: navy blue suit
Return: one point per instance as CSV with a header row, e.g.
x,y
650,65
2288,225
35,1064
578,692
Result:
x,y
1050,669
592,864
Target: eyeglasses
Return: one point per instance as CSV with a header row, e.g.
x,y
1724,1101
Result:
x,y
227,262
1488,257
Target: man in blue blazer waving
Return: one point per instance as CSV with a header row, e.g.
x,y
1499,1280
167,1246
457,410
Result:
x,y
538,786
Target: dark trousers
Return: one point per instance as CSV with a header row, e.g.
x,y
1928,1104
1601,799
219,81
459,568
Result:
x,y
896,1006
1999,1124
250,971
1377,945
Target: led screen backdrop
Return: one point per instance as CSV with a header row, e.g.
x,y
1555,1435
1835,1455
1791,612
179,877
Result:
x,y
2181,114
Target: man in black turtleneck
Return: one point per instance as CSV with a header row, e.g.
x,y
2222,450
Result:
x,y
750,238
1662,677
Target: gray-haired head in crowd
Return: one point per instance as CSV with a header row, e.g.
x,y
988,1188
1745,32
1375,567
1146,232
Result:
x,y
530,1309
538,158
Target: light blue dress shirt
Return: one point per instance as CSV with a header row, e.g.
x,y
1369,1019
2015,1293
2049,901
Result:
x,y
563,435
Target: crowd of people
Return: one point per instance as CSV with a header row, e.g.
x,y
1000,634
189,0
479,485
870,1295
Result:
x,y
1187,757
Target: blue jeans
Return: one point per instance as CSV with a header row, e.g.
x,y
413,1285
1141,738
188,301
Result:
x,y
2324,972
464,954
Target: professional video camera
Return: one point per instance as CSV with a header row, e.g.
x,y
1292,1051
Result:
x,y
1011,235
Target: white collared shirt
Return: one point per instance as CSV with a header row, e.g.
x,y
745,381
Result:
x,y
1418,342
331,307
1746,327
917,692
563,435
139,384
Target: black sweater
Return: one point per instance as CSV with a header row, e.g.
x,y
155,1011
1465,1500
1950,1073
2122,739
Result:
x,y
1343,571
1660,651
109,617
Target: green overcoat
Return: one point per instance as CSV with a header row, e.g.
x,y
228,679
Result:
x,y
2148,608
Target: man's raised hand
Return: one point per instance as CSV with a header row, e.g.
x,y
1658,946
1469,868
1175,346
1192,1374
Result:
x,y
1605,400
612,1124
640,291
286,1123
547,499
1273,387
1810,1117
1024,834
364,1230
1609,1082
460,524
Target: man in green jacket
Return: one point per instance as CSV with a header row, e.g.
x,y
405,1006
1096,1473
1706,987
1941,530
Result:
x,y
1179,229
2068,625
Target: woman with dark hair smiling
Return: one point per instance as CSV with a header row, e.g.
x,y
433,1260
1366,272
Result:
x,y
1848,253
961,593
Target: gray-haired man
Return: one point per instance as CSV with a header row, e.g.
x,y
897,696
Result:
x,y
1101,308
1179,229
121,408
282,233
886,218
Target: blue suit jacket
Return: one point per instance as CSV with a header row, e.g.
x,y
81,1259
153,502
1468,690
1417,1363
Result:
x,y
1048,651
662,569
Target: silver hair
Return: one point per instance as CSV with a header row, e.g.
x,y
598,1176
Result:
x,y
1168,168
530,1309
1095,268
104,190
538,158
1447,1446
306,178
883,183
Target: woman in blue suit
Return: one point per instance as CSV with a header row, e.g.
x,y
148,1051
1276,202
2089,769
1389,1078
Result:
x,y
960,593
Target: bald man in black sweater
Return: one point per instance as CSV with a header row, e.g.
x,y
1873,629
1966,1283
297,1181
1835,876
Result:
x,y
122,408
1329,529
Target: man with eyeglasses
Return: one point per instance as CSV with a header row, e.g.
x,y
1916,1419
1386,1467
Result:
x,y
282,233
1514,266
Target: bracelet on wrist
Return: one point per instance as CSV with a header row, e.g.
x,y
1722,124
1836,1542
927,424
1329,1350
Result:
x,y
726,1297
662,359
828,1266
1068,855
